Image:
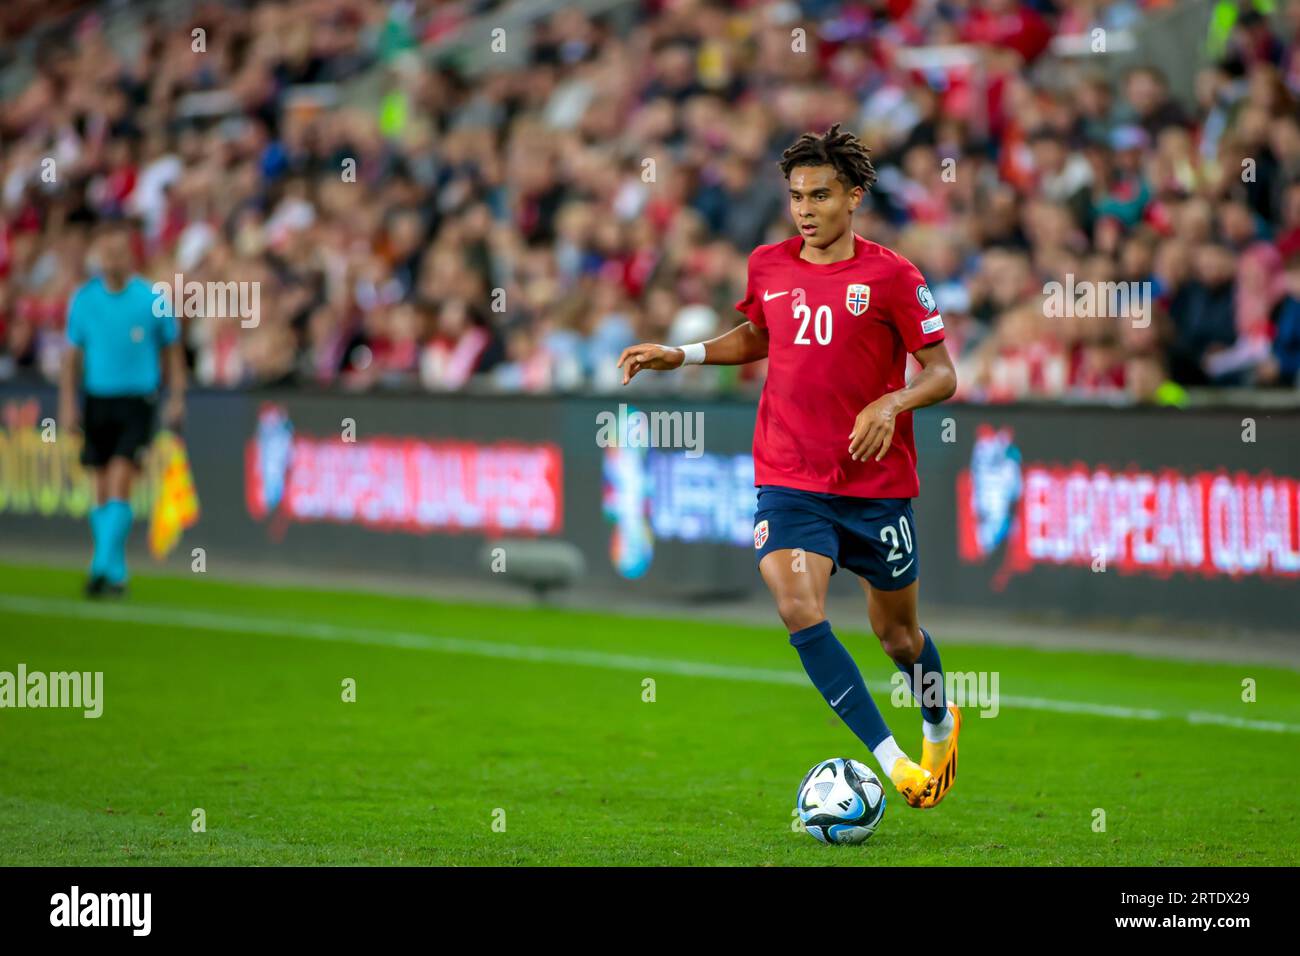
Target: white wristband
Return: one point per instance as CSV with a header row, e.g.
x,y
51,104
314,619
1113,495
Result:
x,y
694,353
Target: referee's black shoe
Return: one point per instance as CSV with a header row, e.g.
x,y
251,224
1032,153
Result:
x,y
95,585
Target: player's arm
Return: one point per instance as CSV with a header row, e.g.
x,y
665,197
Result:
x,y
174,410
873,432
172,356
73,360
69,377
745,343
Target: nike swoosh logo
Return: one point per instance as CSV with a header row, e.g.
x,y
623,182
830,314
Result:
x,y
836,703
898,571
768,296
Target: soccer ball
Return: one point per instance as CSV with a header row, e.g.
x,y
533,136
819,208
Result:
x,y
840,801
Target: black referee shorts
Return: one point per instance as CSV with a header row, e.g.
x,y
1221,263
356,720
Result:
x,y
118,426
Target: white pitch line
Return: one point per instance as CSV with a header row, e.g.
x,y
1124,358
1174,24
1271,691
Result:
x,y
319,631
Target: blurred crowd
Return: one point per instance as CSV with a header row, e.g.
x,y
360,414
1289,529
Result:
x,y
517,228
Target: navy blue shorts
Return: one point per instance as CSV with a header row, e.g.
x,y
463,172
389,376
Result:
x,y
875,538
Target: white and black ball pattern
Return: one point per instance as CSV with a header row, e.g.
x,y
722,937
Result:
x,y
840,801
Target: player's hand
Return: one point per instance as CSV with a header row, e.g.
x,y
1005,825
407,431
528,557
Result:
x,y
174,411
656,358
874,429
1268,371
69,420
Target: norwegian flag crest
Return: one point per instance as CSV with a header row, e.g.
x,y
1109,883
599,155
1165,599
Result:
x,y
857,298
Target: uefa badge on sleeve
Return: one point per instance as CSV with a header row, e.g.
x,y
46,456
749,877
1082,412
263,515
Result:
x,y
857,298
926,298
760,534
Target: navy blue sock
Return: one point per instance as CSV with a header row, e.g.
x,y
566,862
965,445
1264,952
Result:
x,y
931,692
833,673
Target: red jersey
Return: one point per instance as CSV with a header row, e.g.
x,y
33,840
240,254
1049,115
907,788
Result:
x,y
838,338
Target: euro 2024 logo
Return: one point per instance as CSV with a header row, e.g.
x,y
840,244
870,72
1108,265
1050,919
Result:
x,y
990,493
270,454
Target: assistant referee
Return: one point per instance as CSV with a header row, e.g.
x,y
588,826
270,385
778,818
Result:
x,y
117,333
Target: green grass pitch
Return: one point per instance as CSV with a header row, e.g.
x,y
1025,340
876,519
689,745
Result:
x,y
228,698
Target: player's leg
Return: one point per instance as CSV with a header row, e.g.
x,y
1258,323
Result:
x,y
878,544
798,579
118,478
894,619
893,616
98,573
96,441
134,422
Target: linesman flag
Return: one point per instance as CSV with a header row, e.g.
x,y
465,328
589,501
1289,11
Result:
x,y
177,505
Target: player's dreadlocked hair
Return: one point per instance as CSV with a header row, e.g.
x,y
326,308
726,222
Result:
x,y
844,151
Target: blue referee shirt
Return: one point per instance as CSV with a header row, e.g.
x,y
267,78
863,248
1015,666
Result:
x,y
120,336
